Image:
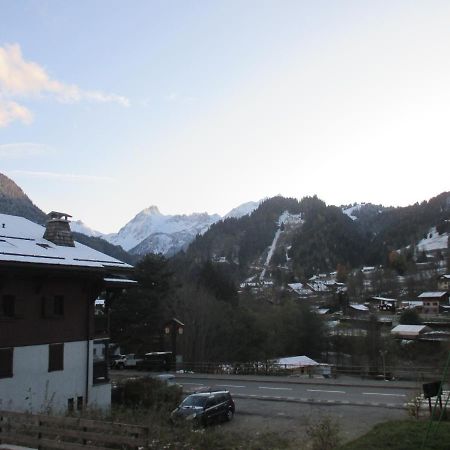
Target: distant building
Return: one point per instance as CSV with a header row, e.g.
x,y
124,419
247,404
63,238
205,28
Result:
x,y
432,301
444,283
409,331
357,310
384,304
52,357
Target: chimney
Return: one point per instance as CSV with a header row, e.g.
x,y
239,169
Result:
x,y
58,230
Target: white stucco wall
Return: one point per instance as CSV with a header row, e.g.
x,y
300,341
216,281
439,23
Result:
x,y
32,388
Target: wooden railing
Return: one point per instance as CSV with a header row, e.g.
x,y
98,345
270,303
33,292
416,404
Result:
x,y
69,433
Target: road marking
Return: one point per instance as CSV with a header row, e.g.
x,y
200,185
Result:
x,y
275,388
330,392
195,384
379,393
230,385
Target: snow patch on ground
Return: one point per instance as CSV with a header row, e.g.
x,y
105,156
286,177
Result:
x,y
290,219
349,211
435,242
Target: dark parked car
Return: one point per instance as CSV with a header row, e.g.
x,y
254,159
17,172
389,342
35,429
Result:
x,y
204,408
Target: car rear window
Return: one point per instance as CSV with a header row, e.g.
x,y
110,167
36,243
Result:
x,y
195,400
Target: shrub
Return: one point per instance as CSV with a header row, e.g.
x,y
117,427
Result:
x,y
148,393
324,434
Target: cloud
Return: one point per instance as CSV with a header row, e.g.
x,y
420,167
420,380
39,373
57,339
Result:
x,y
11,111
21,149
26,79
61,176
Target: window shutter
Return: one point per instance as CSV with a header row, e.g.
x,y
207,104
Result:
x,y
55,357
20,308
6,362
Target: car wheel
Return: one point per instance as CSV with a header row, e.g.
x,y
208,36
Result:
x,y
229,415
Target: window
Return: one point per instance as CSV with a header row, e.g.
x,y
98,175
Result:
x,y
58,305
6,362
70,404
79,403
8,306
55,357
53,306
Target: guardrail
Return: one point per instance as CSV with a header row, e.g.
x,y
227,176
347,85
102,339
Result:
x,y
419,374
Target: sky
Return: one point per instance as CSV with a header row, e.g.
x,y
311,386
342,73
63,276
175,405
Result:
x,y
108,107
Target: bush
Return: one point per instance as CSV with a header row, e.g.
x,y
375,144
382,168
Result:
x,y
324,434
147,393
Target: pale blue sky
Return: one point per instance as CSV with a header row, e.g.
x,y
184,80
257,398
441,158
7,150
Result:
x,y
107,107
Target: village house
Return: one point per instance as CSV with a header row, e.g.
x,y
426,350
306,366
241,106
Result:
x,y
48,287
444,283
432,301
409,332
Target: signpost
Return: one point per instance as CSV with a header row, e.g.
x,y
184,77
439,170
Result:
x,y
433,389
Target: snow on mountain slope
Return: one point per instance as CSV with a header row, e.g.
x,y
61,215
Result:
x,y
150,222
79,227
349,211
242,210
433,241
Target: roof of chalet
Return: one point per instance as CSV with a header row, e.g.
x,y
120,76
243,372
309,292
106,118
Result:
x,y
434,294
410,330
299,361
22,242
383,299
358,307
446,276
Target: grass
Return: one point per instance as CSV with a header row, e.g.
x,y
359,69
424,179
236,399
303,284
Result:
x,y
403,435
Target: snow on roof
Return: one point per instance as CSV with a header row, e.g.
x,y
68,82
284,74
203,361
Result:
x,y
21,241
359,307
383,299
446,277
299,361
434,294
409,329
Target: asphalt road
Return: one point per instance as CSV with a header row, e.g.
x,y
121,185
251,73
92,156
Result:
x,y
289,406
379,395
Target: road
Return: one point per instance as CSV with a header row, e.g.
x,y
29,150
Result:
x,y
315,392
290,405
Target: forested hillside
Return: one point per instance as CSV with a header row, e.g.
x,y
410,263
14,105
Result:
x,y
15,202
326,237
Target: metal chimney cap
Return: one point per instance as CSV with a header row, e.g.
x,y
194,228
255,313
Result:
x,y
58,215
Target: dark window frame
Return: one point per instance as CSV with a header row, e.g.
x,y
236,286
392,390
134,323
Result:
x,y
53,307
8,306
55,357
6,362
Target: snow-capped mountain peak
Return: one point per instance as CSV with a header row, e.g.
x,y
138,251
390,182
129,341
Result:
x,y
152,210
79,227
242,210
139,234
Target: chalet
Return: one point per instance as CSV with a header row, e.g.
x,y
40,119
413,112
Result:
x,y
409,332
444,283
48,287
384,304
432,301
357,310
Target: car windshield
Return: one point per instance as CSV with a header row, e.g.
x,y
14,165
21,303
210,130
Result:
x,y
195,400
